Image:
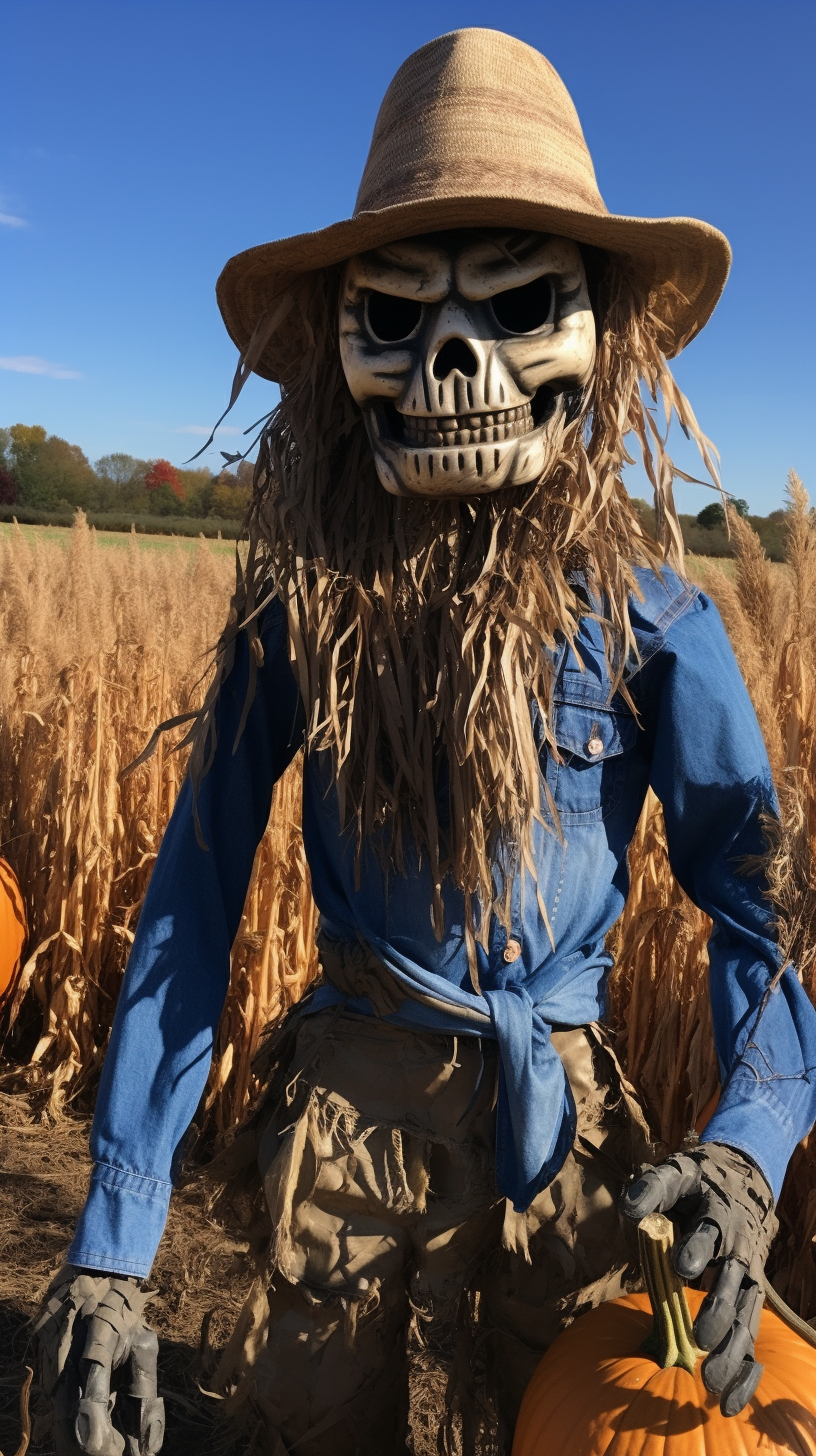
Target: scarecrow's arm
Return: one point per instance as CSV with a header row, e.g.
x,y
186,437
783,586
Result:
x,y
177,976
710,770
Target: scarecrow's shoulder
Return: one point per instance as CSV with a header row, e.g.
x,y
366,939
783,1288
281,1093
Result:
x,y
662,599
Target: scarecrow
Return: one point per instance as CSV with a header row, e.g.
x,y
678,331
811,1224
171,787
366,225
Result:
x,y
451,602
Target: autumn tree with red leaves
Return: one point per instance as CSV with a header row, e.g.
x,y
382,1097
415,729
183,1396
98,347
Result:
x,y
162,473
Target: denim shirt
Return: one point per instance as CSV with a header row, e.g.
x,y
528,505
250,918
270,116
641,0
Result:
x,y
695,740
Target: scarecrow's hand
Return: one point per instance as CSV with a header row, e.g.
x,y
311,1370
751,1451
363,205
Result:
x,y
91,1326
722,1209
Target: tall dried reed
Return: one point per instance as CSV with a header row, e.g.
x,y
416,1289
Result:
x,y
99,645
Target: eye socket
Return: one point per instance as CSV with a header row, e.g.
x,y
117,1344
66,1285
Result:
x,y
523,310
391,319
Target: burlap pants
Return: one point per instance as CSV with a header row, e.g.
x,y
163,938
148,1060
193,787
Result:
x,y
377,1164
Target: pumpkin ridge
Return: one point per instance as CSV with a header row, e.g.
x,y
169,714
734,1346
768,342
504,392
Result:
x,y
772,1417
582,1390
774,1336
550,1411
572,1398
659,1439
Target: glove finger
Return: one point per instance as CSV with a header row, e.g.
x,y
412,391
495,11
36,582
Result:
x,y
659,1188
723,1365
139,1409
718,1310
697,1249
93,1427
94,1432
66,1391
739,1392
107,1341
741,1245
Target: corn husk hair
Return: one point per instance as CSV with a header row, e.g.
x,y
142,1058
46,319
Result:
x,y
422,631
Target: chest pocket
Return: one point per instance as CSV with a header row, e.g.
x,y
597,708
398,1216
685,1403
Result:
x,y
593,738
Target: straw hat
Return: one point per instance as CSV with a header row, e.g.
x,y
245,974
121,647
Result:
x,y
478,130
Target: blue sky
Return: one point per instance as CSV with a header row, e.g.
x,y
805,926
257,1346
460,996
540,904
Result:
x,y
145,141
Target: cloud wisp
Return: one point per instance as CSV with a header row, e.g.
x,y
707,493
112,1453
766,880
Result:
x,y
33,364
10,220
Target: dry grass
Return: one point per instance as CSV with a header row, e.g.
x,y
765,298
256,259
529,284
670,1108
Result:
x,y
273,959
99,645
196,1278
116,540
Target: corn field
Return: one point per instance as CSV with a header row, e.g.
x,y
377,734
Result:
x,y
99,646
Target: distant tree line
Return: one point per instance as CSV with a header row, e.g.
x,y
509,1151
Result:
x,y
705,534
45,473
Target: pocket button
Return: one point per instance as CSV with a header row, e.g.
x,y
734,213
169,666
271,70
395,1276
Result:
x,y
595,746
512,951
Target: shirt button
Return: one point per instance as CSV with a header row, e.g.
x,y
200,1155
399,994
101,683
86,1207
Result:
x,y
595,746
512,951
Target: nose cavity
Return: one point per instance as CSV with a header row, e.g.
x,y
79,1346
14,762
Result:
x,y
455,354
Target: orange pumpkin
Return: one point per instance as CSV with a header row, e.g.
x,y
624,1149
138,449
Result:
x,y
596,1393
13,930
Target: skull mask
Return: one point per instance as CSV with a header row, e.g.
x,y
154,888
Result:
x,y
460,349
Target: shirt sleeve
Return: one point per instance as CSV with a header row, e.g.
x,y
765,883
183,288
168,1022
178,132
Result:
x,y
710,770
177,976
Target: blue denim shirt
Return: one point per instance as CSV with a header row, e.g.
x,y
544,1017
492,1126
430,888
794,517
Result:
x,y
695,740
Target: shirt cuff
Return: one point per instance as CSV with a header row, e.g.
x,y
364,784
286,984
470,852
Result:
x,y
752,1118
122,1222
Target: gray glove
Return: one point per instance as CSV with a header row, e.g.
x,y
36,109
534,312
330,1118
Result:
x,y
91,1326
722,1208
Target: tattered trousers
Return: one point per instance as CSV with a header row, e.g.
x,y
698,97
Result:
x,y
377,1163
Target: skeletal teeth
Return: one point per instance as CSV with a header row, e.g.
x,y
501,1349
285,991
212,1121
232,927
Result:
x,y
434,432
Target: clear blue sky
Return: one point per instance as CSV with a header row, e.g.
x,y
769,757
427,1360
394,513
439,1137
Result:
x,y
145,141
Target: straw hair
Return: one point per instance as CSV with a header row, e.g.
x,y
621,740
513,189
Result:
x,y
476,130
420,631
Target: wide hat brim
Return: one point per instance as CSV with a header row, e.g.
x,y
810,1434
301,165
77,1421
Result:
x,y
683,260
476,130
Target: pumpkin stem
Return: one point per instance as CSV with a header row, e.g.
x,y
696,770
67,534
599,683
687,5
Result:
x,y
671,1341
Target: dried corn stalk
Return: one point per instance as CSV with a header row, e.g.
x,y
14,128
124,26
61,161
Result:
x,y
659,988
274,956
98,646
